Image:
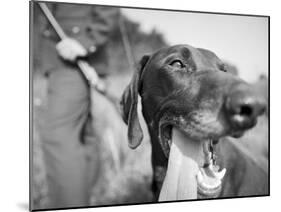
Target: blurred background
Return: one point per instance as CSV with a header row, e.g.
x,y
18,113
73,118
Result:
x,y
125,174
240,40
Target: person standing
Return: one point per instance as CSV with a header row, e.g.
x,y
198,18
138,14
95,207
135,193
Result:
x,y
68,141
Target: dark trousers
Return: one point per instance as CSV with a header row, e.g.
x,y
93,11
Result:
x,y
68,142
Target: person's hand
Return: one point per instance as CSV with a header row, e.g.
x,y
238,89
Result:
x,y
69,49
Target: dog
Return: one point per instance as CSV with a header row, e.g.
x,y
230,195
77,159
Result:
x,y
189,101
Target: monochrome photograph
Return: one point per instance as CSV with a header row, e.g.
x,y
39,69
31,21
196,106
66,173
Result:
x,y
139,105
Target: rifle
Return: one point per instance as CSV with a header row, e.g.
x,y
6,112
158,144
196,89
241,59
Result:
x,y
88,71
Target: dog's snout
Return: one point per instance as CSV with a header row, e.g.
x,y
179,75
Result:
x,y
243,106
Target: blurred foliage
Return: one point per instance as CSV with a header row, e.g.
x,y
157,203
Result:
x,y
140,43
152,39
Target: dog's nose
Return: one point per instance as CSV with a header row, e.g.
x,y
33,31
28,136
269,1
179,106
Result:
x,y
243,106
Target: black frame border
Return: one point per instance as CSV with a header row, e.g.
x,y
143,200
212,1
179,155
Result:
x,y
144,8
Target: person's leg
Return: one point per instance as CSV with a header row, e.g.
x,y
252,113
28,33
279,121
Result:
x,y
64,153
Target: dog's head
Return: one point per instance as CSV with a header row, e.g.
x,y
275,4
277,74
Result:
x,y
188,88
188,98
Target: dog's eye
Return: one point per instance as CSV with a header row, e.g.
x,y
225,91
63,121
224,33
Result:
x,y
223,67
177,64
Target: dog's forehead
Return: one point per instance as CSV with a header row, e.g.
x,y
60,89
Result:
x,y
201,57
180,49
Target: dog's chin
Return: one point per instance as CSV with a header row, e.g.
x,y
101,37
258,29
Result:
x,y
192,133
187,144
197,131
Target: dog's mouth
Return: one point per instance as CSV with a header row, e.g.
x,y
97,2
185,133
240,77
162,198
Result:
x,y
188,144
214,129
191,173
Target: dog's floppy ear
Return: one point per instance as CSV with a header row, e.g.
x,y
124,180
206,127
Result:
x,y
129,104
